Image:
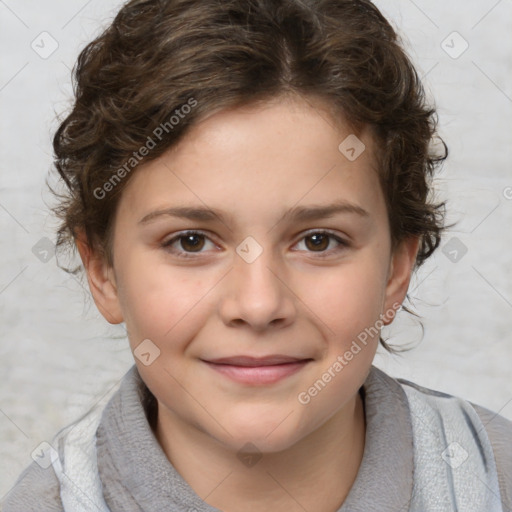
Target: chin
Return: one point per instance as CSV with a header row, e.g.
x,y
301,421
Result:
x,y
259,443
267,438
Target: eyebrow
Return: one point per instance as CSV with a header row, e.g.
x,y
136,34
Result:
x,y
301,213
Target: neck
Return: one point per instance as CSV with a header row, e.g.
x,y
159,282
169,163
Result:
x,y
314,474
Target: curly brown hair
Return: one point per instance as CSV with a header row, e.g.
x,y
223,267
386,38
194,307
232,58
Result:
x,y
159,55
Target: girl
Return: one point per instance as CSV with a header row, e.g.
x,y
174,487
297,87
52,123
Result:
x,y
249,192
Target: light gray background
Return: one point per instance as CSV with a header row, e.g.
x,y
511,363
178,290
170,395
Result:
x,y
57,355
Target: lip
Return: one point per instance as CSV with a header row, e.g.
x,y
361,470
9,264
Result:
x,y
257,371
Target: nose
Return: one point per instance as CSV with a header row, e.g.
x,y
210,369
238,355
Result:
x,y
257,294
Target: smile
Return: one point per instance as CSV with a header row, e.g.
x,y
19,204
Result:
x,y
257,371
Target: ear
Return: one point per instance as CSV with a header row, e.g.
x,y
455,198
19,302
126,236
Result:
x,y
399,275
101,280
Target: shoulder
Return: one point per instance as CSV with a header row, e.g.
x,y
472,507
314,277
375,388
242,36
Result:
x,y
36,490
497,429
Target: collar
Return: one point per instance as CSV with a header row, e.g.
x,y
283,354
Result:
x,y
136,474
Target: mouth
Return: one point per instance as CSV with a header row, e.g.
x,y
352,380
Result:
x,y
257,370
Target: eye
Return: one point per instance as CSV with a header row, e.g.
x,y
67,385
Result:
x,y
188,242
319,242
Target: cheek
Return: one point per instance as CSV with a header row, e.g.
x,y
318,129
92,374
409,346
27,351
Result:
x,y
156,299
349,298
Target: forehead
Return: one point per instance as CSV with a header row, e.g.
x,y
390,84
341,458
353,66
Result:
x,y
258,158
283,121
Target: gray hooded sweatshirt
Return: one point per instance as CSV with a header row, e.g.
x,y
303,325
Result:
x,y
424,451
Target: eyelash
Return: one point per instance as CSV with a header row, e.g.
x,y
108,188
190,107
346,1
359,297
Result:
x,y
343,244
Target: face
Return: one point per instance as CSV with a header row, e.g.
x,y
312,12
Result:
x,y
252,256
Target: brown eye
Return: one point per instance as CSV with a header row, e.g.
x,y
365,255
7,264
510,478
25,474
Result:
x,y
188,244
323,243
192,242
319,241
